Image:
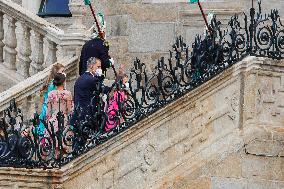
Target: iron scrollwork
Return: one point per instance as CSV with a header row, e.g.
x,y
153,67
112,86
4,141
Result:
x,y
186,68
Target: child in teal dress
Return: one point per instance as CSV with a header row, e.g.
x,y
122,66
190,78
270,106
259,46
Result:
x,y
47,88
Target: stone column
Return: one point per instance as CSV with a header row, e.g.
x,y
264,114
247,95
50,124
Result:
x,y
10,44
51,56
78,10
32,7
37,55
1,37
25,52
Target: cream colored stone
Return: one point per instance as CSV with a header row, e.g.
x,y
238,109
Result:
x,y
228,133
10,44
26,34
185,183
191,143
1,37
231,167
78,10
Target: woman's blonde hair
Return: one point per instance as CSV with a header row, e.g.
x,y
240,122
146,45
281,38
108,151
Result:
x,y
55,68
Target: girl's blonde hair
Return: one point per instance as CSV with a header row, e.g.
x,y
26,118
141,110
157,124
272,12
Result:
x,y
55,68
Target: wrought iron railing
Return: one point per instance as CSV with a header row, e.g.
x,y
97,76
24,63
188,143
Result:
x,y
186,68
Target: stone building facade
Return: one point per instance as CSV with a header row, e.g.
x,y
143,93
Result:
x,y
147,28
226,134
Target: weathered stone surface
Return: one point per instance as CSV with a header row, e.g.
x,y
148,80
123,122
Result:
x,y
33,7
233,183
230,167
263,167
8,78
228,133
199,141
118,25
271,148
149,37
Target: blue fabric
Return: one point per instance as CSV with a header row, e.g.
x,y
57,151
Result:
x,y
40,129
85,88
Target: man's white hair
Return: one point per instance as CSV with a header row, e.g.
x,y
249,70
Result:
x,y
91,61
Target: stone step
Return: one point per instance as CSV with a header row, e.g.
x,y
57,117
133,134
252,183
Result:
x,y
8,78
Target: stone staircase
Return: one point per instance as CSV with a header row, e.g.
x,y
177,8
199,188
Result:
x,y
226,134
8,78
194,142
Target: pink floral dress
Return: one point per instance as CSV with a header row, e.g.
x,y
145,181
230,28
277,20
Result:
x,y
113,109
58,100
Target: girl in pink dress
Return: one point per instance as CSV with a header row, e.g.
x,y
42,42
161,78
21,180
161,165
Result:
x,y
59,100
114,106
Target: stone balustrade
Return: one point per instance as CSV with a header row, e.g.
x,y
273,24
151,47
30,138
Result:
x,y
27,92
28,43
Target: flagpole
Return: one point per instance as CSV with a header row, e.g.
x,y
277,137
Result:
x,y
100,32
97,24
204,17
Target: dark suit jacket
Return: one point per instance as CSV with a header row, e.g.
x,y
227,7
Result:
x,y
98,48
85,88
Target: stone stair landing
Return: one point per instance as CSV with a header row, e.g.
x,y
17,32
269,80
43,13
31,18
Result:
x,y
8,78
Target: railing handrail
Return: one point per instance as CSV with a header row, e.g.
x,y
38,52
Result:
x,y
32,20
32,84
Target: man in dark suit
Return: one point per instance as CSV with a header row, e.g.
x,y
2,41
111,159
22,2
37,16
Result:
x,y
89,84
97,47
87,90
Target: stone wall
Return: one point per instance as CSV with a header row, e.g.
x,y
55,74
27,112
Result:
x,y
18,1
147,28
226,134
8,78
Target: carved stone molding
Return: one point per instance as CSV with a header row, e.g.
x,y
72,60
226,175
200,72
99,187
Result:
x,y
150,157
